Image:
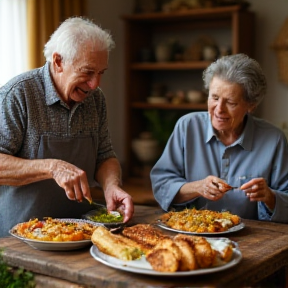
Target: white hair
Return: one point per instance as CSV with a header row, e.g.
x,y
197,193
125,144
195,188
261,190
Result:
x,y
73,35
240,69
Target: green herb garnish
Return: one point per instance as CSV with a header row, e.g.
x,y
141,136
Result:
x,y
103,216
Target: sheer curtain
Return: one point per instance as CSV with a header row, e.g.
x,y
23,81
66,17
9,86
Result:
x,y
25,26
43,17
13,31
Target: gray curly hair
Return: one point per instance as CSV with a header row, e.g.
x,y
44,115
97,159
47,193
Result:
x,y
72,35
240,69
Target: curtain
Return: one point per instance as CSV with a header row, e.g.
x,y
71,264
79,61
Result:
x,y
43,17
13,48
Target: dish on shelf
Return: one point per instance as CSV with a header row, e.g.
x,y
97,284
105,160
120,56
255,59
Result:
x,y
156,100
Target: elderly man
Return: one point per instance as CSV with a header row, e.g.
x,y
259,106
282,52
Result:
x,y
54,138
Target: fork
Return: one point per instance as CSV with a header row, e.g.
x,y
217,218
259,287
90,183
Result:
x,y
114,213
231,187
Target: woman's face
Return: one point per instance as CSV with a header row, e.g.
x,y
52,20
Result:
x,y
226,106
74,81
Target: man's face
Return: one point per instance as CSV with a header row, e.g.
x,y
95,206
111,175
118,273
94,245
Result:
x,y
74,81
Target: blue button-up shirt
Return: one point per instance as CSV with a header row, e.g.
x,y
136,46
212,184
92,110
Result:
x,y
193,152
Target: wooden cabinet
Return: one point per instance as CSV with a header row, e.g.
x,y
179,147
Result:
x,y
230,25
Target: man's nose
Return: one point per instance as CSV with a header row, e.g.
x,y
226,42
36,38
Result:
x,y
94,82
220,106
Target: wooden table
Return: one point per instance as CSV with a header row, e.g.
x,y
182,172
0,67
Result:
x,y
264,247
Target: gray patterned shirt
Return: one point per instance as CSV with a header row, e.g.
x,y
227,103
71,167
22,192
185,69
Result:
x,y
30,107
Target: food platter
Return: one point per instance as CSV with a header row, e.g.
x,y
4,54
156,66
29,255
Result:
x,y
141,266
55,245
230,230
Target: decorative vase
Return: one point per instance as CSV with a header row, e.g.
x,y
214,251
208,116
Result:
x,y
209,53
146,149
163,53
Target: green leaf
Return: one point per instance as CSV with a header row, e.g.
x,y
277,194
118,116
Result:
x,y
11,277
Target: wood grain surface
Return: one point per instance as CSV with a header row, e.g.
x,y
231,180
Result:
x,y
264,248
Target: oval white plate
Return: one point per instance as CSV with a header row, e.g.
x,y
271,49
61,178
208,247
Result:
x,y
55,245
142,266
230,230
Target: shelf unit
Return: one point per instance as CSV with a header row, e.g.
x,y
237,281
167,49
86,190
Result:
x,y
141,30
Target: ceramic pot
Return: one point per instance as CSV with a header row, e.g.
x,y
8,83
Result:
x,y
146,150
209,53
194,96
162,53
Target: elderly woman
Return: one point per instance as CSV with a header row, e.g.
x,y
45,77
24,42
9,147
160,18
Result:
x,y
226,145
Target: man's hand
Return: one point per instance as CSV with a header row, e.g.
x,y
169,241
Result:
x,y
117,199
72,179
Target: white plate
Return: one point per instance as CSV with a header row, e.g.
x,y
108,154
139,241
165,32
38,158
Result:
x,y
55,245
230,230
141,266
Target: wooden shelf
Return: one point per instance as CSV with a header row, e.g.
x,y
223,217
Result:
x,y
170,65
169,106
214,12
144,31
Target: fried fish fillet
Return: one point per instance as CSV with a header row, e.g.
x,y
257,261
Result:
x,y
165,256
168,244
163,260
188,259
172,255
204,253
115,245
145,235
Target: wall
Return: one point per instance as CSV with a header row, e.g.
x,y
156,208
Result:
x,y
270,16
107,13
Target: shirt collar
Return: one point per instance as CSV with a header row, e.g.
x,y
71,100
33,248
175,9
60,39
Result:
x,y
246,138
210,130
51,94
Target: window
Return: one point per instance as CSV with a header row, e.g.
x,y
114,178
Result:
x,y
13,31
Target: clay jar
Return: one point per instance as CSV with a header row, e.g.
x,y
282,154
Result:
x,y
146,148
195,96
209,53
163,53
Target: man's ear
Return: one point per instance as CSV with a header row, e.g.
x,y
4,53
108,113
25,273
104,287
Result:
x,y
57,62
252,108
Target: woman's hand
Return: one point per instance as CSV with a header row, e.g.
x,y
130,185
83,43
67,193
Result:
x,y
212,188
258,190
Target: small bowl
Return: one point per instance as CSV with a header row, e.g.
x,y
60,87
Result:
x,y
157,100
195,96
101,209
